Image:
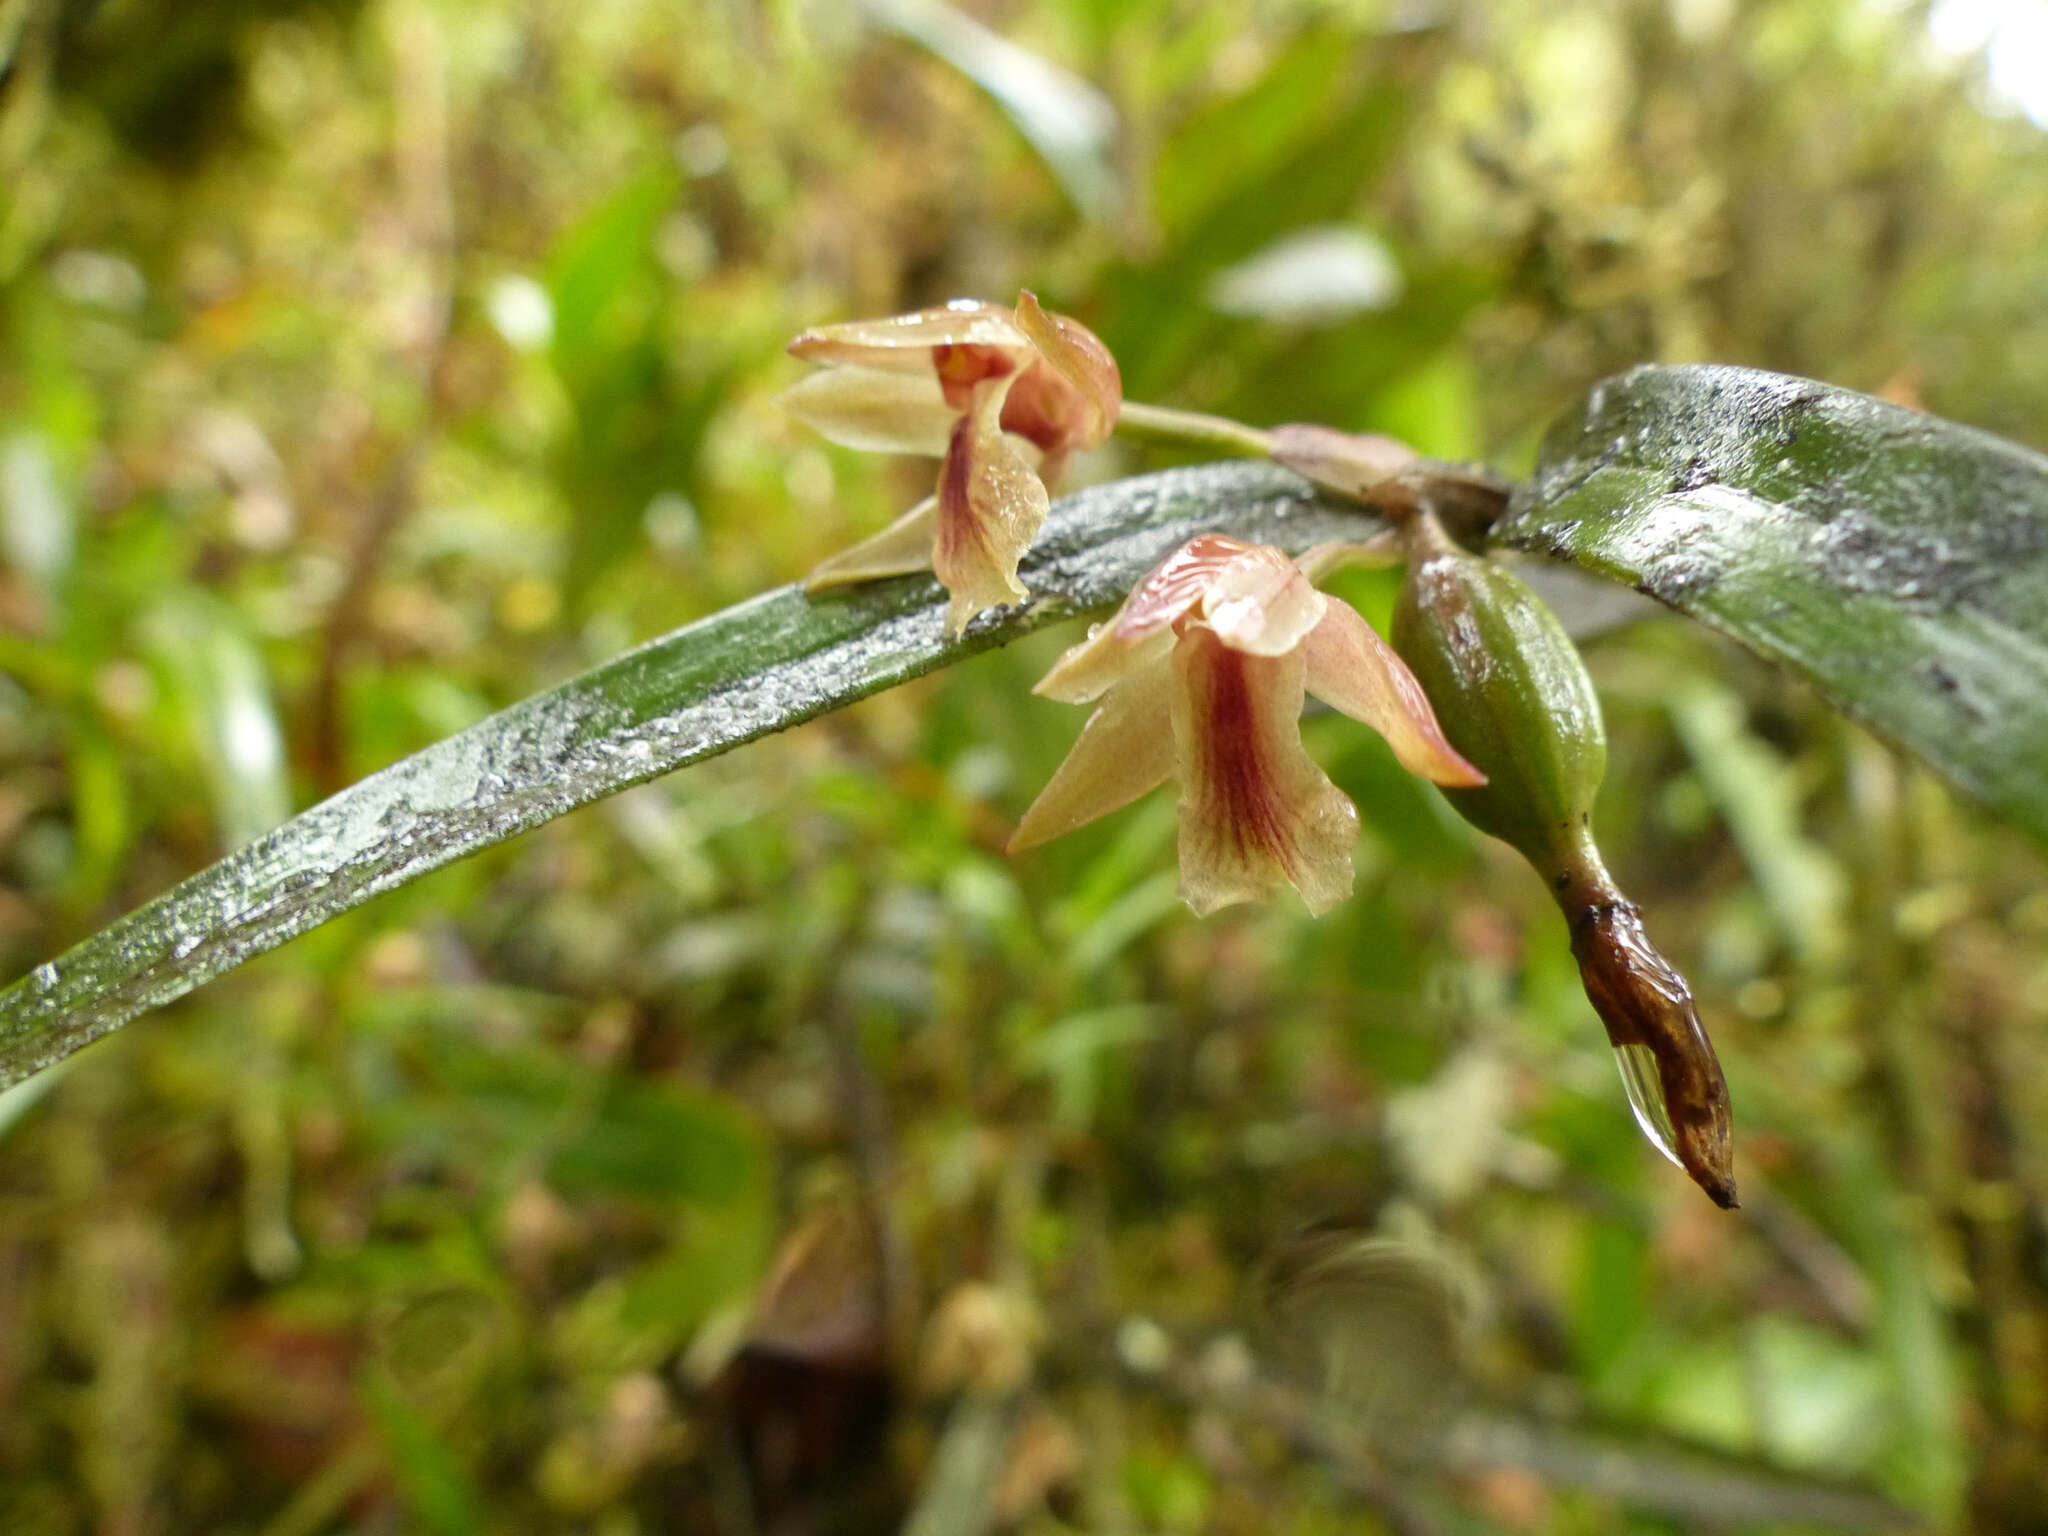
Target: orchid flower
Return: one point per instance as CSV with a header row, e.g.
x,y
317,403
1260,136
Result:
x,y
1200,677
1003,396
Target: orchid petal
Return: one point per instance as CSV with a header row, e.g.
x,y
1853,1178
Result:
x,y
1044,408
963,368
1100,662
1076,356
1255,810
1261,604
873,409
1353,464
899,549
1124,751
1176,584
1352,669
1249,578
904,342
991,505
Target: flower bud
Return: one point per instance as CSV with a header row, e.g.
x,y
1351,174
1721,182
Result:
x,y
1510,691
1514,699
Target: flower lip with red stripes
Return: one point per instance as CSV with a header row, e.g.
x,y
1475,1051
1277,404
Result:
x,y
1003,396
1200,676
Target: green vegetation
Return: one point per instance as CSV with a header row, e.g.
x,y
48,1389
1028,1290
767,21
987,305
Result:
x,y
760,1149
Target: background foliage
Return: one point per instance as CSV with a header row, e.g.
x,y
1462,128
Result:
x,y
364,367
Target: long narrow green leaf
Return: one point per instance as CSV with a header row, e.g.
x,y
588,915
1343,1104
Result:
x,y
766,664
1898,561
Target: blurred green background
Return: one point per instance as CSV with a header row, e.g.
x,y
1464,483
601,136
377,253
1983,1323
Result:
x,y
761,1150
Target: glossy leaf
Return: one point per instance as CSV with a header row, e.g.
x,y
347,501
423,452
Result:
x,y
769,663
1896,560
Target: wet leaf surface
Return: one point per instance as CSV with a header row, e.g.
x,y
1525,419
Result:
x,y
1897,561
762,666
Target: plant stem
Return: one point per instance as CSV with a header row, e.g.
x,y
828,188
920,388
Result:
x,y
1191,429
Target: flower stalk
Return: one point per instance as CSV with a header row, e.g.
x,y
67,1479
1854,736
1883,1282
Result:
x,y
1166,426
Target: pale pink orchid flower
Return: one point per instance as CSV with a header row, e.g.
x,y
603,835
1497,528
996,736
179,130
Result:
x,y
1002,396
1200,677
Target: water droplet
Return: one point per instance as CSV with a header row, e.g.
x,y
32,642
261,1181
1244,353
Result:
x,y
44,977
1646,1097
